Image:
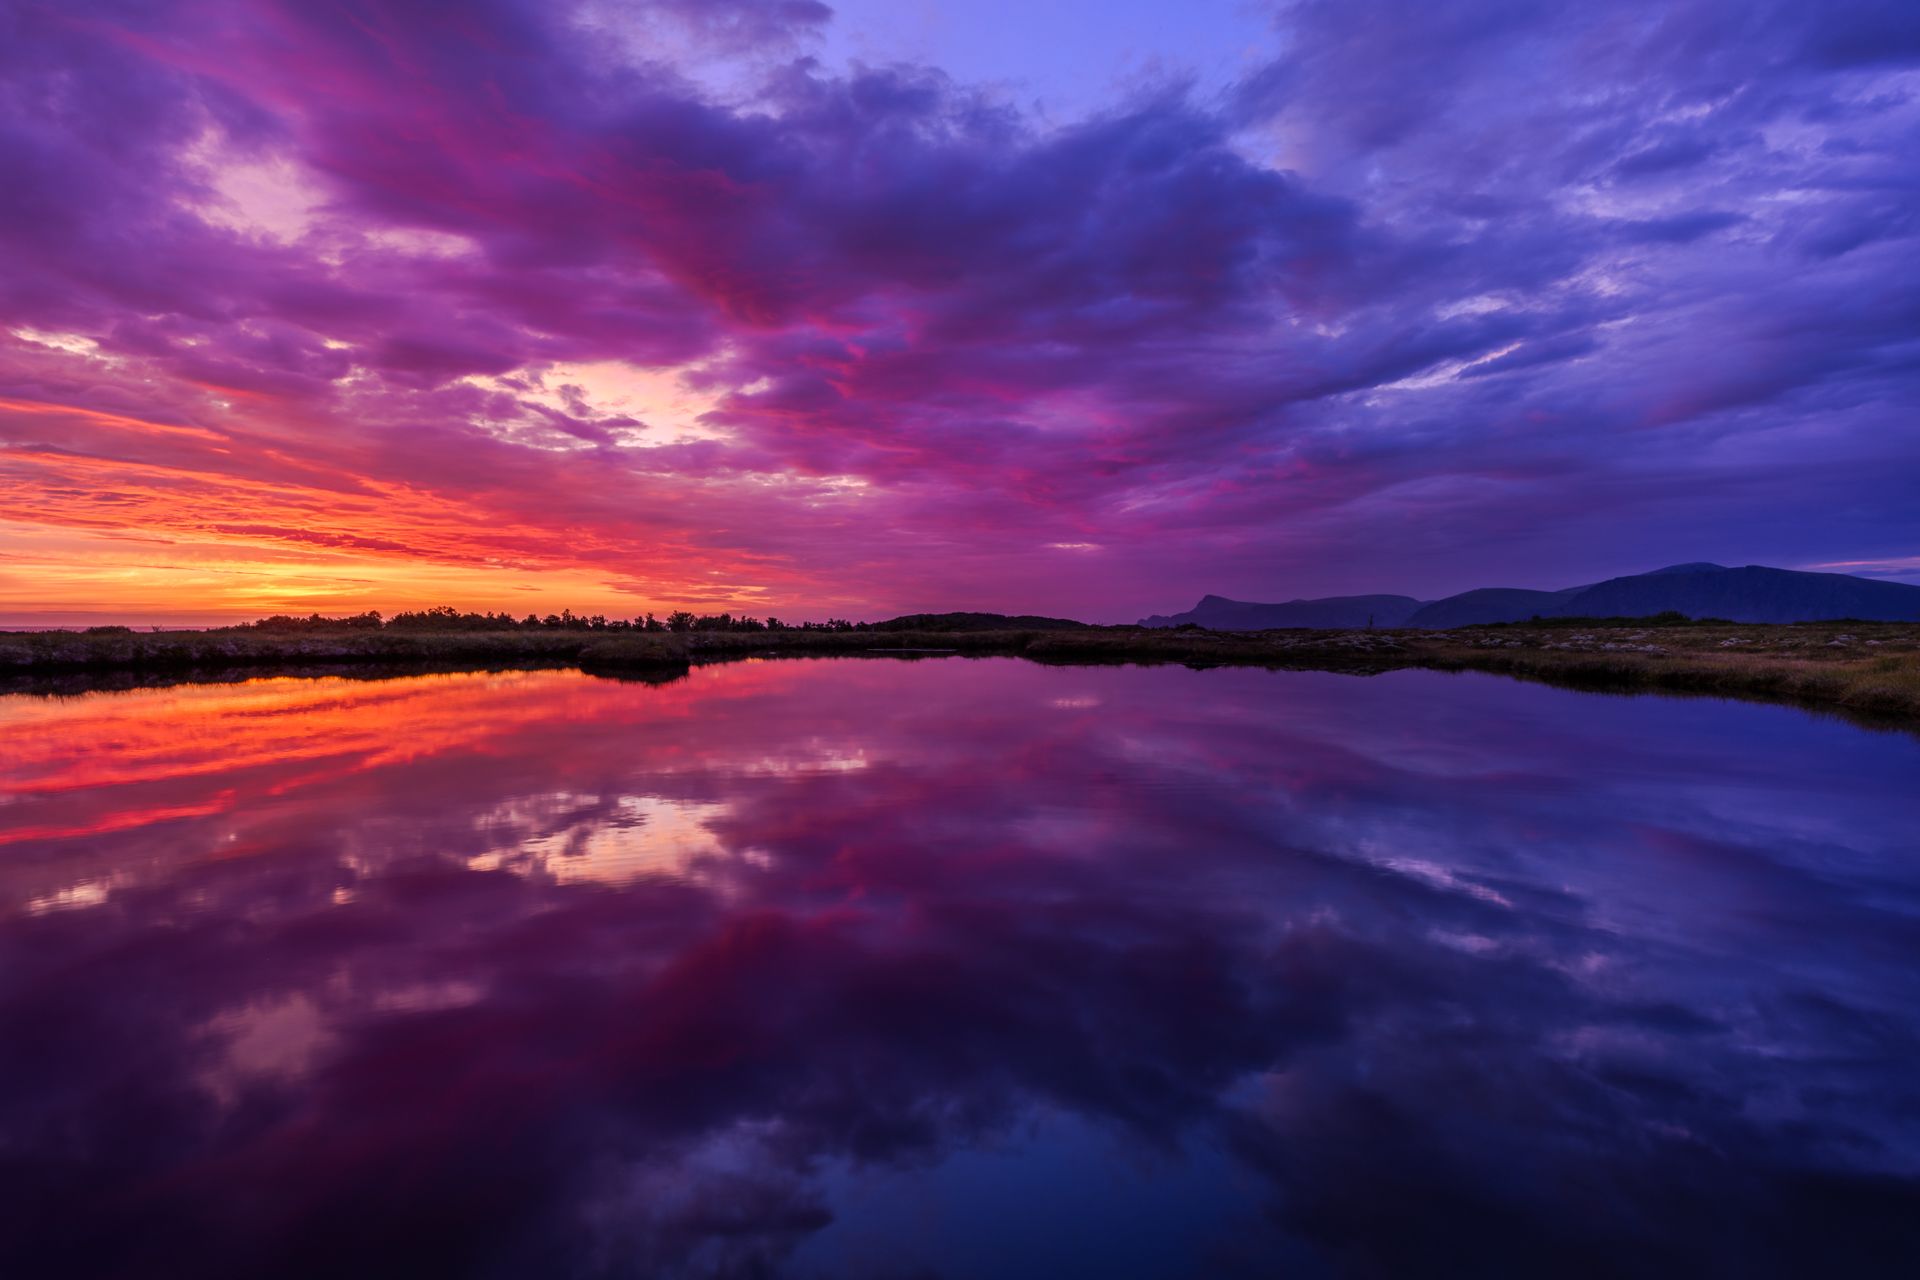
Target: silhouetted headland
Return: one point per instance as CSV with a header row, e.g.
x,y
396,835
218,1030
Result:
x,y
1755,593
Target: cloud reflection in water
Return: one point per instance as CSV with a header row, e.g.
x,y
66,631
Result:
x,y
953,968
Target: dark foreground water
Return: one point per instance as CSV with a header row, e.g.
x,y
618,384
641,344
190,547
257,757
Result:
x,y
953,968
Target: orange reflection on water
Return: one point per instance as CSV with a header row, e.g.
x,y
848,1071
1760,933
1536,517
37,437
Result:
x,y
216,764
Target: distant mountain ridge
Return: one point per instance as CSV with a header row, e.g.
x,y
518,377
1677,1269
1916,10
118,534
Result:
x,y
1218,613
1753,593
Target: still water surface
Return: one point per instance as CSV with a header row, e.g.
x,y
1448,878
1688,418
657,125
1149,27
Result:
x,y
953,968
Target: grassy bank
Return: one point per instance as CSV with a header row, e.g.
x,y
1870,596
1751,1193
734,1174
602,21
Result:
x,y
1869,669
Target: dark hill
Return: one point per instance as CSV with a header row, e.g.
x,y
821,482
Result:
x,y
1217,613
976,622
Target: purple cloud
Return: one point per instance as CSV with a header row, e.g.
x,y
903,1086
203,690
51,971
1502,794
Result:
x,y
1569,290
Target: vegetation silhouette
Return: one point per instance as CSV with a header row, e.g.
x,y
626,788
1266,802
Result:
x,y
447,618
1863,669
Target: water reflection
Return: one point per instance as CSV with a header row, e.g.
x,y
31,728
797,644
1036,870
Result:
x,y
956,968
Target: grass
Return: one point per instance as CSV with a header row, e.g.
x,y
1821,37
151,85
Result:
x,y
1868,670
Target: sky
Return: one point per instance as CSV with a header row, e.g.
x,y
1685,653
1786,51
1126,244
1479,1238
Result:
x,y
776,306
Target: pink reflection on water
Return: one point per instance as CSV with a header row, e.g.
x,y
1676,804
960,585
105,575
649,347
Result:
x,y
605,978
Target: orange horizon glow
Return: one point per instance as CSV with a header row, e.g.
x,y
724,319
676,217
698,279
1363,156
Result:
x,y
111,517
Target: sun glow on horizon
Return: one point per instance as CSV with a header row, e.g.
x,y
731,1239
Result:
x,y
111,577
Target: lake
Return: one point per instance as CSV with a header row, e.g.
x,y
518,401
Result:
x,y
959,968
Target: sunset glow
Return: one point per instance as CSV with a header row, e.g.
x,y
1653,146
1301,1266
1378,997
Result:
x,y
772,306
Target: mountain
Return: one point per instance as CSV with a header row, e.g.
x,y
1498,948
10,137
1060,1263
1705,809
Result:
x,y
1694,566
1217,613
1751,594
1491,604
1754,593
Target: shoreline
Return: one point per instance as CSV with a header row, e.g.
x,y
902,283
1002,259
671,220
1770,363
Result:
x,y
1867,671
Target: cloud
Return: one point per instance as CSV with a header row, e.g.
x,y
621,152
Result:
x,y
1193,331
